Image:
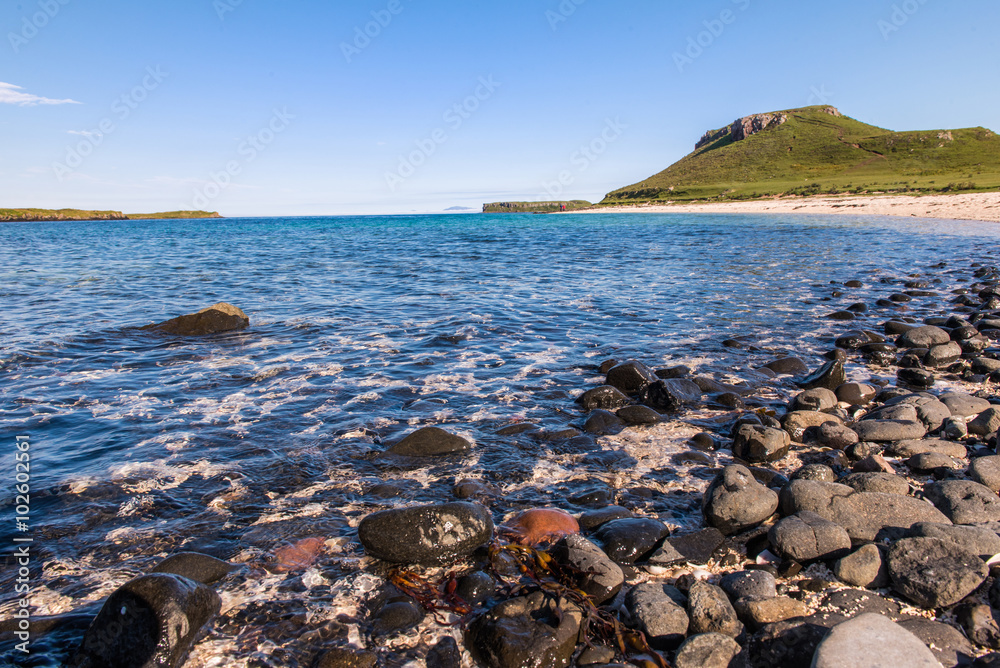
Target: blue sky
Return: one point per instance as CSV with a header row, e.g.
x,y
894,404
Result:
x,y
258,107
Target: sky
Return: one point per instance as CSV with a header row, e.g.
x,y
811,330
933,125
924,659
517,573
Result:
x,y
308,107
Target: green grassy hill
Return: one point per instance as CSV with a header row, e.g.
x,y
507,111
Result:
x,y
173,215
815,150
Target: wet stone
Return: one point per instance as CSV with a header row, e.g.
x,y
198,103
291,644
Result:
x,y
629,540
152,620
933,573
670,394
917,378
603,423
986,422
215,319
195,566
797,422
396,616
533,630
831,376
923,337
430,442
595,518
856,394
602,578
630,377
639,415
943,355
792,366
605,397
347,658
426,534
445,654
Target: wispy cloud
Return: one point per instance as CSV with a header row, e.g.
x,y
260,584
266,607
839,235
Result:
x,y
11,94
83,133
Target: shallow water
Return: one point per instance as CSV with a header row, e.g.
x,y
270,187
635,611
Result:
x,y
362,329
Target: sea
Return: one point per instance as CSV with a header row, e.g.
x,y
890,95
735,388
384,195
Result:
x,y
362,330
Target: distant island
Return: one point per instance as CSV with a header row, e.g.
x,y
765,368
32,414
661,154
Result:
x,y
535,207
819,151
24,215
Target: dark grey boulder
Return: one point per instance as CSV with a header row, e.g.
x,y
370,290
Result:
x,y
426,534
696,548
817,399
736,501
934,573
605,397
929,462
603,423
638,415
754,585
883,431
897,410
985,365
836,436
657,610
976,540
670,394
943,355
864,568
964,405
886,483
445,654
595,518
629,540
430,442
947,643
215,319
856,394
986,422
806,536
979,624
792,366
908,448
756,443
710,650
534,630
964,501
930,411
923,337
863,514
711,612
630,377
986,471
601,577
797,422
919,379
831,376
195,566
872,640
149,622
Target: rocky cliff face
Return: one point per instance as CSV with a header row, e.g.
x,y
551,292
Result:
x,y
751,125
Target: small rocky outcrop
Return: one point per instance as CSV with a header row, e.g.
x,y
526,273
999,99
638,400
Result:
x,y
215,319
426,534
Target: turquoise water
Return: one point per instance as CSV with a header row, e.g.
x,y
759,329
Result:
x,y
362,329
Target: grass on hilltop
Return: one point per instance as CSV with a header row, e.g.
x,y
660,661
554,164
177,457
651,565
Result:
x,y
10,215
815,153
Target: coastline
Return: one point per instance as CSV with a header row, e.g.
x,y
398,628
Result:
x,y
968,206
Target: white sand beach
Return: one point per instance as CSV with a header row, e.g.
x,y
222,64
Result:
x,y
970,206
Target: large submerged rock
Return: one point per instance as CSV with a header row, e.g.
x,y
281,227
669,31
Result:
x,y
426,534
149,622
221,317
525,632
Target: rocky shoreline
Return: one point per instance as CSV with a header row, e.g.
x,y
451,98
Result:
x,y
836,518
